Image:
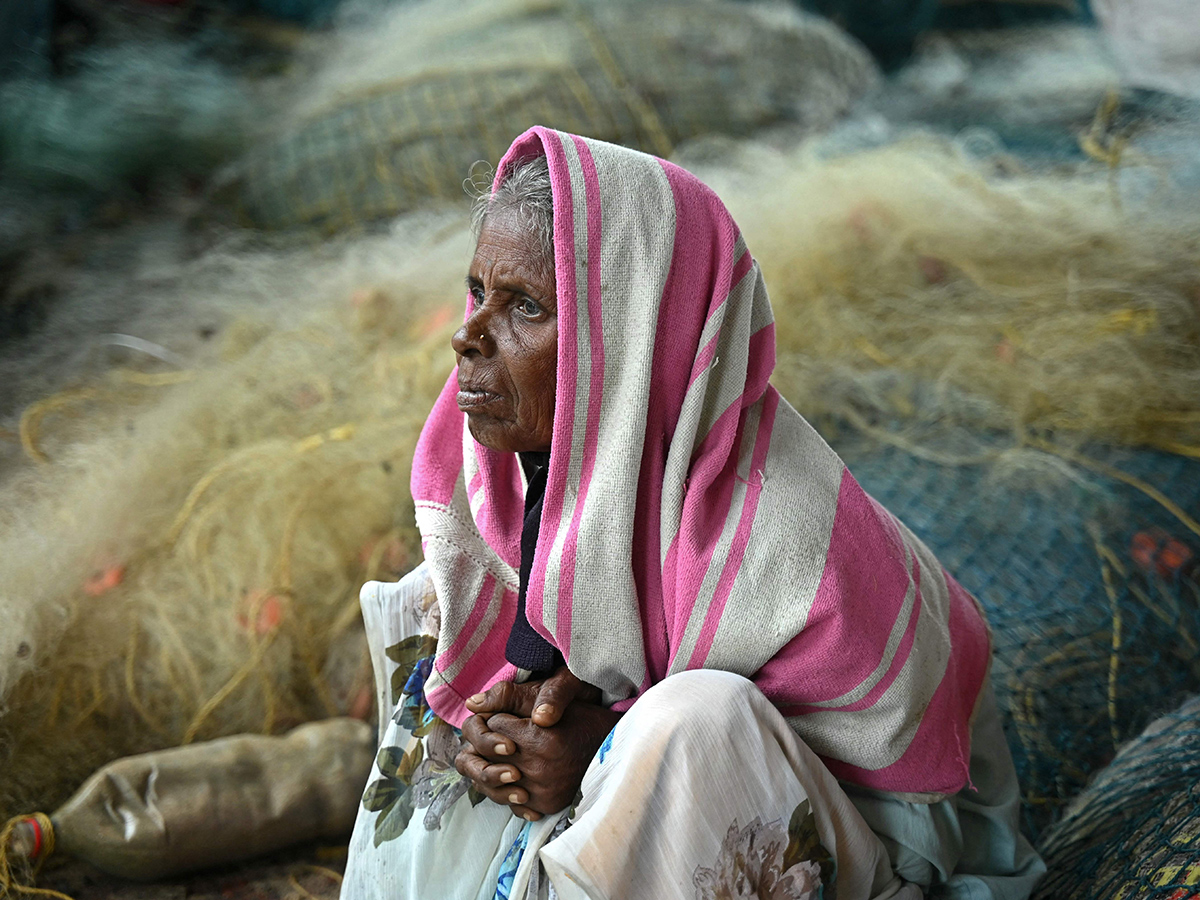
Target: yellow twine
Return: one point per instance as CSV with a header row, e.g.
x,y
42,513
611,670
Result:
x,y
1188,450
228,688
1108,562
10,885
153,379
197,491
131,687
32,417
1112,472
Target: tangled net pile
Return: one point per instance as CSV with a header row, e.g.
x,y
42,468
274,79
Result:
x,y
977,326
184,548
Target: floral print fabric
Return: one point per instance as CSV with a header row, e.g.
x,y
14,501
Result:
x,y
769,862
421,775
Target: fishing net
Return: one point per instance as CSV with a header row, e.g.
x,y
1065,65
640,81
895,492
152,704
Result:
x,y
183,546
1088,586
396,127
128,113
1051,304
1135,832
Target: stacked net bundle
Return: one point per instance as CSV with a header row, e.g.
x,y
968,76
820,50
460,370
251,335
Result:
x,y
127,114
1135,832
400,121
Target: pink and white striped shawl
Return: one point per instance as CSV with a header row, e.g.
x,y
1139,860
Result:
x,y
692,518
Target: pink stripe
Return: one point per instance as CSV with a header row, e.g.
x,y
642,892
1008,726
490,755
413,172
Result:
x,y
476,483
856,605
740,268
501,514
703,253
706,507
938,759
741,537
568,360
705,357
894,667
482,602
762,363
566,583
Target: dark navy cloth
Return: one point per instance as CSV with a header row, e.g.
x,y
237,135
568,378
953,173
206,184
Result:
x,y
527,649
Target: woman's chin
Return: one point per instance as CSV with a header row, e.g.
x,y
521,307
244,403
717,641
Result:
x,y
489,432
501,436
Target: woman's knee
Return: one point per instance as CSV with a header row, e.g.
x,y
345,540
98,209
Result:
x,y
698,696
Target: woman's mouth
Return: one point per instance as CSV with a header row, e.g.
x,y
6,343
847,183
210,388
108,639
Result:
x,y
473,399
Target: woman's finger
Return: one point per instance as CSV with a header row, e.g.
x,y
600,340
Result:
x,y
510,728
506,697
470,765
558,692
477,730
524,812
495,776
489,779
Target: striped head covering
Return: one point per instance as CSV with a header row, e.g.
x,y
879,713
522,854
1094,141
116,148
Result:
x,y
692,518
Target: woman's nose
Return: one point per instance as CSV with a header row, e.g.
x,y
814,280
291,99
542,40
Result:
x,y
473,336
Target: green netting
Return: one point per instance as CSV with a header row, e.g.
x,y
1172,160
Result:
x,y
1089,589
606,70
1135,832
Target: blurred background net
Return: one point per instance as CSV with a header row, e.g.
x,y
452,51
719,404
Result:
x,y
232,237
391,137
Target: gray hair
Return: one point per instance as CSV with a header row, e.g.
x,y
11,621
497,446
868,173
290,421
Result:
x,y
526,188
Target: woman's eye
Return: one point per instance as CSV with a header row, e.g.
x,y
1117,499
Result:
x,y
474,297
530,308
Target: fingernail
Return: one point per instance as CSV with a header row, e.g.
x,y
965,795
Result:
x,y
528,817
507,777
514,798
545,710
476,699
503,750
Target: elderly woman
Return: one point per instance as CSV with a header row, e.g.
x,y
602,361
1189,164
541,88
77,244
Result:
x,y
663,645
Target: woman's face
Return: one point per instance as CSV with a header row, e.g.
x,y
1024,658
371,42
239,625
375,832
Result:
x,y
508,347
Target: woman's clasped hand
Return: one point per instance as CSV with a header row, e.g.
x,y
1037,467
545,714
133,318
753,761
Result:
x,y
528,745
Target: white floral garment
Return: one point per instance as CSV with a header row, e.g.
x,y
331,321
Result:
x,y
701,791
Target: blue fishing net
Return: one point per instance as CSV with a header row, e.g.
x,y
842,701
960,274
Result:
x,y
1089,589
